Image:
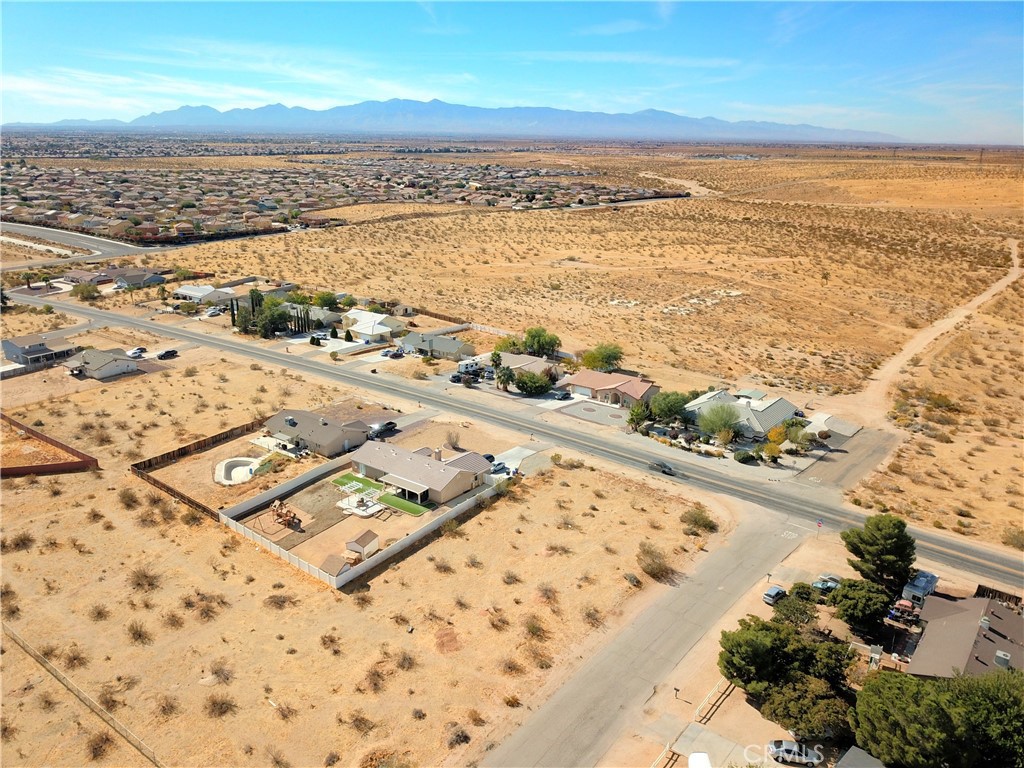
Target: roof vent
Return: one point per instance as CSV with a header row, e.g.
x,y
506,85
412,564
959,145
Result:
x,y
1003,659
985,623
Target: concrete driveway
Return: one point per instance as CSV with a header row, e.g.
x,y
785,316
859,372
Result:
x,y
596,413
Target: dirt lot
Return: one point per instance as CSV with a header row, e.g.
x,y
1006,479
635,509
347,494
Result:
x,y
19,321
493,611
18,449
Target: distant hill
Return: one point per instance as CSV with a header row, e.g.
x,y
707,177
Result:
x,y
437,118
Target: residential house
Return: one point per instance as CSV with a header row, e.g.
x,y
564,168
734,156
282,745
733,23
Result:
x,y
370,326
138,279
612,388
118,227
315,220
325,317
447,347
79,276
35,349
323,436
203,294
756,416
419,477
529,363
100,364
971,636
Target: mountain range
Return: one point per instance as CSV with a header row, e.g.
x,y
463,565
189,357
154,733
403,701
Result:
x,y
440,119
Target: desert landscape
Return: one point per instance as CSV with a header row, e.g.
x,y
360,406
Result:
x,y
802,270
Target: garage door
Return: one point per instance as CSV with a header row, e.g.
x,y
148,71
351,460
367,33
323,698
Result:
x,y
585,391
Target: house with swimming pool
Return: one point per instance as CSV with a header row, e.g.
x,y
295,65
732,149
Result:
x,y
420,476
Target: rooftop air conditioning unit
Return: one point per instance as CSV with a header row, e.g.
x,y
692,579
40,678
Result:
x,y
1003,659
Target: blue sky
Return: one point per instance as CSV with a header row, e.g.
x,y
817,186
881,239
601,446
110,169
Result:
x,y
923,71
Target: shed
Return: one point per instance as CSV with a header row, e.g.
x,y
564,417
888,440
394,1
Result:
x,y
365,544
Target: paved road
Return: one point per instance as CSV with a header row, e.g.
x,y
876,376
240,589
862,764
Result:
x,y
578,724
800,502
100,246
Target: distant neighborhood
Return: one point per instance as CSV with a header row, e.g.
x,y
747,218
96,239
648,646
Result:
x,y
149,205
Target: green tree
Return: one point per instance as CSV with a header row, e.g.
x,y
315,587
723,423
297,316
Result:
x,y
532,384
798,608
4,301
188,307
511,344
161,292
349,301
297,297
28,277
713,420
771,451
348,334
243,319
669,405
808,706
326,299
496,359
861,604
85,292
504,377
988,712
603,357
334,332
761,655
639,413
539,342
904,720
376,309
830,660
883,550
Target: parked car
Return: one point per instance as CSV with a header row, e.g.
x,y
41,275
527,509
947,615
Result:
x,y
663,467
455,378
837,580
786,751
322,335
802,738
798,414
773,595
214,312
136,353
489,375
489,457
397,354
167,354
499,468
376,430
563,394
825,586
385,353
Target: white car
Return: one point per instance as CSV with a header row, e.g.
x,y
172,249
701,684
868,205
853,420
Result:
x,y
784,751
214,312
136,354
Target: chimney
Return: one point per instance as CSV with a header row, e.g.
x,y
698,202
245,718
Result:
x,y
1002,659
437,454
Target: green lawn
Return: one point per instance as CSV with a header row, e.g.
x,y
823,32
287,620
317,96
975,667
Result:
x,y
365,485
404,505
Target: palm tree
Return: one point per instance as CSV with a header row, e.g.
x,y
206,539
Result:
x,y
504,376
496,359
638,414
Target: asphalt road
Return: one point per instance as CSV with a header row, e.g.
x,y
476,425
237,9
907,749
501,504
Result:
x,y
102,248
790,499
582,719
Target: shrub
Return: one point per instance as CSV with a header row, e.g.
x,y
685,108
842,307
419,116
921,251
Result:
x,y
511,577
128,497
192,518
472,561
512,702
359,721
405,661
220,705
220,670
535,627
99,613
443,566
19,543
452,529
699,518
75,658
8,730
167,705
143,579
1013,536
653,561
511,667
547,593
418,714
592,615
99,743
457,737
138,633
744,457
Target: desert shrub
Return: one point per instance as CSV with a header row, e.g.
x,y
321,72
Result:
x,y
559,549
476,718
419,714
375,679
138,633
280,602
547,593
75,658
510,666
653,561
498,621
143,579
452,529
220,705
129,498
21,542
744,457
443,566
1013,536
286,712
330,643
362,599
535,627
359,722
454,438
699,518
173,620
592,615
192,517
472,561
8,730
220,670
511,577
405,661
167,706
457,736
99,613
512,702
99,743
331,759
46,702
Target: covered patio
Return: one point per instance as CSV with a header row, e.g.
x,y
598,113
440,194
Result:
x,y
407,489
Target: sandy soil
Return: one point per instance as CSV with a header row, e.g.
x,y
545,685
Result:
x,y
356,214
19,321
22,449
295,696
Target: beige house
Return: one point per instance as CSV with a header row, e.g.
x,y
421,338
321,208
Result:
x,y
420,476
100,364
611,388
370,326
323,436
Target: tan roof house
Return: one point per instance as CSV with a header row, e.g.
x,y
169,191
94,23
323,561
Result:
x,y
307,430
972,636
612,388
419,477
100,364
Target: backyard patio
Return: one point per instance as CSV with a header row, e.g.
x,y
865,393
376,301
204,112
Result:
x,y
371,494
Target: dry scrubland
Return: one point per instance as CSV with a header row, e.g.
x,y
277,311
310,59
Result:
x,y
22,320
808,297
961,468
216,653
